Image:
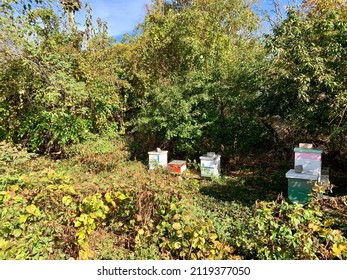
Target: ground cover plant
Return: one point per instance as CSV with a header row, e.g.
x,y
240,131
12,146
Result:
x,y
86,209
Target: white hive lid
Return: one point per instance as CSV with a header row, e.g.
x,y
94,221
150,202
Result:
x,y
157,153
291,174
209,156
177,162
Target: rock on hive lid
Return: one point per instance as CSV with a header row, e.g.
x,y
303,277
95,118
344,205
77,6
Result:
x,y
305,145
157,152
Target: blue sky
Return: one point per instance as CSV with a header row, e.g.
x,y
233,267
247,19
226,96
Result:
x,y
123,15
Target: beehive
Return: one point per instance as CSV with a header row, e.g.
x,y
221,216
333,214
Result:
x,y
157,158
307,171
210,165
177,166
310,159
300,185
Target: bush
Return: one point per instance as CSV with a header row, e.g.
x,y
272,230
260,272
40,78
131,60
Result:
x,y
279,230
100,154
10,156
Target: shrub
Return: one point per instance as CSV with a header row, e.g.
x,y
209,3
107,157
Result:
x,y
100,153
280,230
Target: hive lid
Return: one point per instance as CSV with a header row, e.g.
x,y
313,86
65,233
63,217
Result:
x,y
209,156
306,175
157,153
302,150
177,162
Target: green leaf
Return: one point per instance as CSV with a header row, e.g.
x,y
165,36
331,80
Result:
x,y
17,232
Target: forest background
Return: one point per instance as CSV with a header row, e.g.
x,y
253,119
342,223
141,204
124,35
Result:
x,y
196,76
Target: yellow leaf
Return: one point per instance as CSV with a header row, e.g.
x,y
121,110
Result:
x,y
337,249
141,231
186,218
15,188
213,236
328,222
50,174
108,197
121,196
81,236
78,223
90,220
67,200
37,212
176,226
188,229
52,187
31,209
314,227
193,256
22,219
3,243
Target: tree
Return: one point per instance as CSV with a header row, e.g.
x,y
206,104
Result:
x,y
306,80
54,92
198,64
71,6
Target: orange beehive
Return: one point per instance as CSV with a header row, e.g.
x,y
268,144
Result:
x,y
177,166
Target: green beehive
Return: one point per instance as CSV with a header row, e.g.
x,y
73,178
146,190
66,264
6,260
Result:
x,y
300,186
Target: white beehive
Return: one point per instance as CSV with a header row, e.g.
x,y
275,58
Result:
x,y
310,159
307,171
157,158
210,165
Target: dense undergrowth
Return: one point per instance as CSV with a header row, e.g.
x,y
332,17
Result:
x,y
196,76
97,204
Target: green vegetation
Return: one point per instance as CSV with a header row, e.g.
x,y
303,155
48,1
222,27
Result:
x,y
306,83
78,111
81,208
